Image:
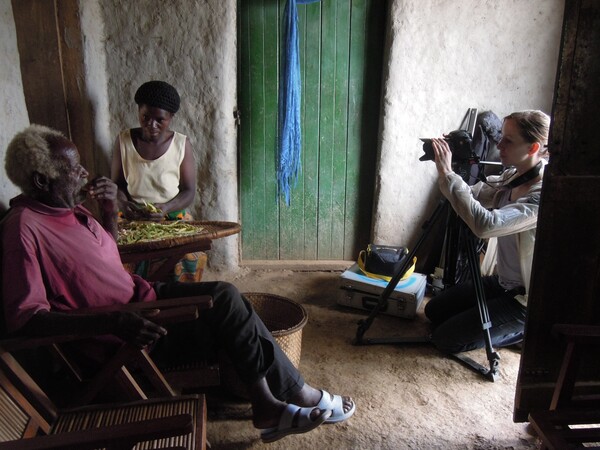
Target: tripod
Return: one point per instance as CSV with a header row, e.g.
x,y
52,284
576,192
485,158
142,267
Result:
x,y
456,232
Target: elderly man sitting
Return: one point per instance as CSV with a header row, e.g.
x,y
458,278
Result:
x,y
62,259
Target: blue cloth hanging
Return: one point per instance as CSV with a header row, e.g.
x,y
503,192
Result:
x,y
290,130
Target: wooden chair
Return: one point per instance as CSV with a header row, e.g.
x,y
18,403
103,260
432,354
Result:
x,y
573,421
166,380
131,369
29,420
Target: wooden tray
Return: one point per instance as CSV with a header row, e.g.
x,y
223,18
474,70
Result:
x,y
207,230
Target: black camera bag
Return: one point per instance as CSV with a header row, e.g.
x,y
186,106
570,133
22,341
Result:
x,y
382,260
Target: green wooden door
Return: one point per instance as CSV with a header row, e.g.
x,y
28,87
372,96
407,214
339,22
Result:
x,y
341,49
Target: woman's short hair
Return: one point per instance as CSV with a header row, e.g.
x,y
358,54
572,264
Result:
x,y
29,152
158,94
534,125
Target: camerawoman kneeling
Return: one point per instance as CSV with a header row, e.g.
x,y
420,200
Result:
x,y
504,208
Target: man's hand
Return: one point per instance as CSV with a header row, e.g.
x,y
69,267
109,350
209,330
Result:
x,y
443,156
136,330
104,191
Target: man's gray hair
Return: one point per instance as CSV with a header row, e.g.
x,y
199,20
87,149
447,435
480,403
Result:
x,y
29,152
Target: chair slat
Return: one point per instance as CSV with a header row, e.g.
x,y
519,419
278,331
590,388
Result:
x,y
13,421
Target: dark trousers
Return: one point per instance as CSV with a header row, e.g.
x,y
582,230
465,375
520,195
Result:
x,y
457,324
232,326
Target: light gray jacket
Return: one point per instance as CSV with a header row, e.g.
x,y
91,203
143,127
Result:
x,y
477,206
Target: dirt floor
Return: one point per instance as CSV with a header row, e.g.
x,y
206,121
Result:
x,y
407,396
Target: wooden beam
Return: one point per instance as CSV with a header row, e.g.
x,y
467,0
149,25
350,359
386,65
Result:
x,y
50,44
39,53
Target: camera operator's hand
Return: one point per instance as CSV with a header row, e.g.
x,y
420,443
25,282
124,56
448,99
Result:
x,y
443,156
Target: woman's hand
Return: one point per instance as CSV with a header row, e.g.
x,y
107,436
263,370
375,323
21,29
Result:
x,y
155,216
161,213
132,211
136,211
443,156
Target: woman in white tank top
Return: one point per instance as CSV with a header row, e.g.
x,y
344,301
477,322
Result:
x,y
154,164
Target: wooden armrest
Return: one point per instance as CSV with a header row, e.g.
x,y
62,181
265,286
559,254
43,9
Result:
x,y
175,315
102,437
201,302
581,334
168,311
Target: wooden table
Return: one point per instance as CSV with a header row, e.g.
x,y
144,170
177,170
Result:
x,y
171,250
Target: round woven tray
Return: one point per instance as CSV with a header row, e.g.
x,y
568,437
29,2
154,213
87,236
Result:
x,y
206,229
284,318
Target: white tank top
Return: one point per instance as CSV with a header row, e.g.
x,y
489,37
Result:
x,y
153,181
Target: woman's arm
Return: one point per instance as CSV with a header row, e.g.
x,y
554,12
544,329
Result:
x,y
116,173
484,223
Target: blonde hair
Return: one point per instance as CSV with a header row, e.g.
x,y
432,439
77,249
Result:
x,y
534,125
29,152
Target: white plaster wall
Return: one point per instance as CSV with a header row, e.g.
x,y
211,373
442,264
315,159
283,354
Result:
x,y
13,112
190,44
445,57
96,83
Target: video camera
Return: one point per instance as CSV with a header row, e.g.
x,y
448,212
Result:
x,y
460,143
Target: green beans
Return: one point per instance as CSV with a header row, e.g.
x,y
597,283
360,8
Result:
x,y
133,232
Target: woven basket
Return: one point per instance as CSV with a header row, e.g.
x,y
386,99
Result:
x,y
284,318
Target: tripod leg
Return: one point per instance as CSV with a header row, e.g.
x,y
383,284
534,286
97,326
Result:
x,y
486,323
363,325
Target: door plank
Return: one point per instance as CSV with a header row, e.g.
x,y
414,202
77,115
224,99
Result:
x,y
357,226
258,214
327,133
271,86
340,138
312,55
